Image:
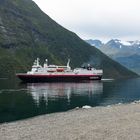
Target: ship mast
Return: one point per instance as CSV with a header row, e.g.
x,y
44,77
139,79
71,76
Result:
x,y
68,63
37,62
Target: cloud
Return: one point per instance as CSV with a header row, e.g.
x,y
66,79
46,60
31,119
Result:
x,y
96,18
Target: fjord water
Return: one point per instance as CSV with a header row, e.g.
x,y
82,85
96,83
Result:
x,y
20,101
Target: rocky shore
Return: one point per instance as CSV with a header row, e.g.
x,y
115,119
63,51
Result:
x,y
117,122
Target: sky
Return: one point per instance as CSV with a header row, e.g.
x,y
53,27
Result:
x,y
96,19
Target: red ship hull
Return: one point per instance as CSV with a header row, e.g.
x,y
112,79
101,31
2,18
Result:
x,y
29,78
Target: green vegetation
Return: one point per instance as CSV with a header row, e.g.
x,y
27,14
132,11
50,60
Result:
x,y
26,33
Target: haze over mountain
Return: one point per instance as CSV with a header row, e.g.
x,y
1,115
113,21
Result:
x,y
26,33
125,52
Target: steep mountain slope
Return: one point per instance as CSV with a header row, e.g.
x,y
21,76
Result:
x,y
132,62
26,33
126,53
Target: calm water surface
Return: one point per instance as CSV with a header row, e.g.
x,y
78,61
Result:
x,y
20,101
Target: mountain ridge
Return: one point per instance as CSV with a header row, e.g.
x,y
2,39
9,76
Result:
x,y
121,51
26,33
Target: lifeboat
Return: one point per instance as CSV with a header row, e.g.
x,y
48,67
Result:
x,y
60,69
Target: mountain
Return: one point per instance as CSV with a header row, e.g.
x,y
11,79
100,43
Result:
x,y
126,53
132,62
26,33
96,43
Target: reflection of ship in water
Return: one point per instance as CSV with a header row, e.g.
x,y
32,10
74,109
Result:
x,y
68,92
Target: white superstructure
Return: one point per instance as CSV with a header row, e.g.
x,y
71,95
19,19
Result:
x,y
55,69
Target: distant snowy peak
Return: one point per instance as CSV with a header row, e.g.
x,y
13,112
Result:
x,y
115,40
119,42
125,43
128,43
136,42
96,43
115,43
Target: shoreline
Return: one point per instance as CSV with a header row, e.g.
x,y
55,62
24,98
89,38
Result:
x,y
121,122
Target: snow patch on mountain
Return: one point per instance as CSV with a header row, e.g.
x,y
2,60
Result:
x,y
126,43
136,42
115,43
93,44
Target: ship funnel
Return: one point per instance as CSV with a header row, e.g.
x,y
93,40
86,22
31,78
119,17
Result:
x,y
46,63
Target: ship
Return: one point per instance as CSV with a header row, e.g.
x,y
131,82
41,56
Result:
x,y
55,73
